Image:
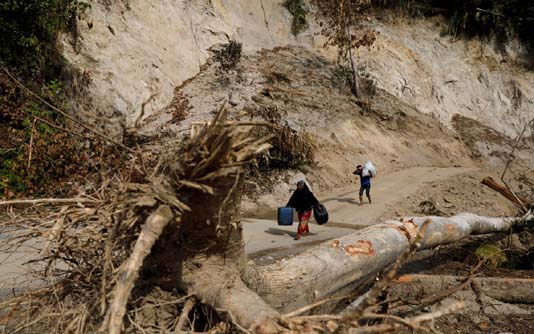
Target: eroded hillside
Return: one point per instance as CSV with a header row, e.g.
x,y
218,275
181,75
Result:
x,y
296,87
135,53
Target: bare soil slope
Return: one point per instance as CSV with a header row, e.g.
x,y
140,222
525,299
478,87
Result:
x,y
299,88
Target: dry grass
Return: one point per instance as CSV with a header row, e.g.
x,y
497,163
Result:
x,y
290,149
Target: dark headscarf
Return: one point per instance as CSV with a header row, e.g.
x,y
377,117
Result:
x,y
302,199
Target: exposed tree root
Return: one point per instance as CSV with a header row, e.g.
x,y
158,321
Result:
x,y
129,273
184,317
225,291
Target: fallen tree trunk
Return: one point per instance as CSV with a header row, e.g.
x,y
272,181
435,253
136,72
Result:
x,y
415,287
337,267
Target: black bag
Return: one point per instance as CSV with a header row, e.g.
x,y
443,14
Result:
x,y
320,214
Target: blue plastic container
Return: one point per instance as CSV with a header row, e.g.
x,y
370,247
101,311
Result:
x,y
285,216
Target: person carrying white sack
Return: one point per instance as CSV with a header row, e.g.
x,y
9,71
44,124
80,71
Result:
x,y
365,173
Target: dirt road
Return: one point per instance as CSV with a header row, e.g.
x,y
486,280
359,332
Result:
x,y
263,235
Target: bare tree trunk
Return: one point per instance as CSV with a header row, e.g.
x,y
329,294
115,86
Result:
x,y
205,254
337,267
212,260
355,84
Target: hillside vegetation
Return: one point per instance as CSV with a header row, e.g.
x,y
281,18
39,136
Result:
x,y
39,149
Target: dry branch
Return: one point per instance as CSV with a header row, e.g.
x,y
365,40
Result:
x,y
312,306
521,203
54,233
440,295
188,306
518,201
30,149
55,126
47,201
65,114
412,323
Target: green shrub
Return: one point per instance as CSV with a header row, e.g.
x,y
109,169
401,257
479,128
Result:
x,y
28,47
53,151
28,32
298,10
342,77
492,254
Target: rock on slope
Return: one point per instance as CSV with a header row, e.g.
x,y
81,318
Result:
x,y
444,76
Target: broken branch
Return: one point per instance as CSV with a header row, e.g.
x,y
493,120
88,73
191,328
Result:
x,y
506,192
47,201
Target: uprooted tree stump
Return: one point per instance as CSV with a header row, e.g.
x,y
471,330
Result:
x,y
200,247
180,229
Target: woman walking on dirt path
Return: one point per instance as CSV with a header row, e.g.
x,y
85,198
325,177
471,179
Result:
x,y
303,201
